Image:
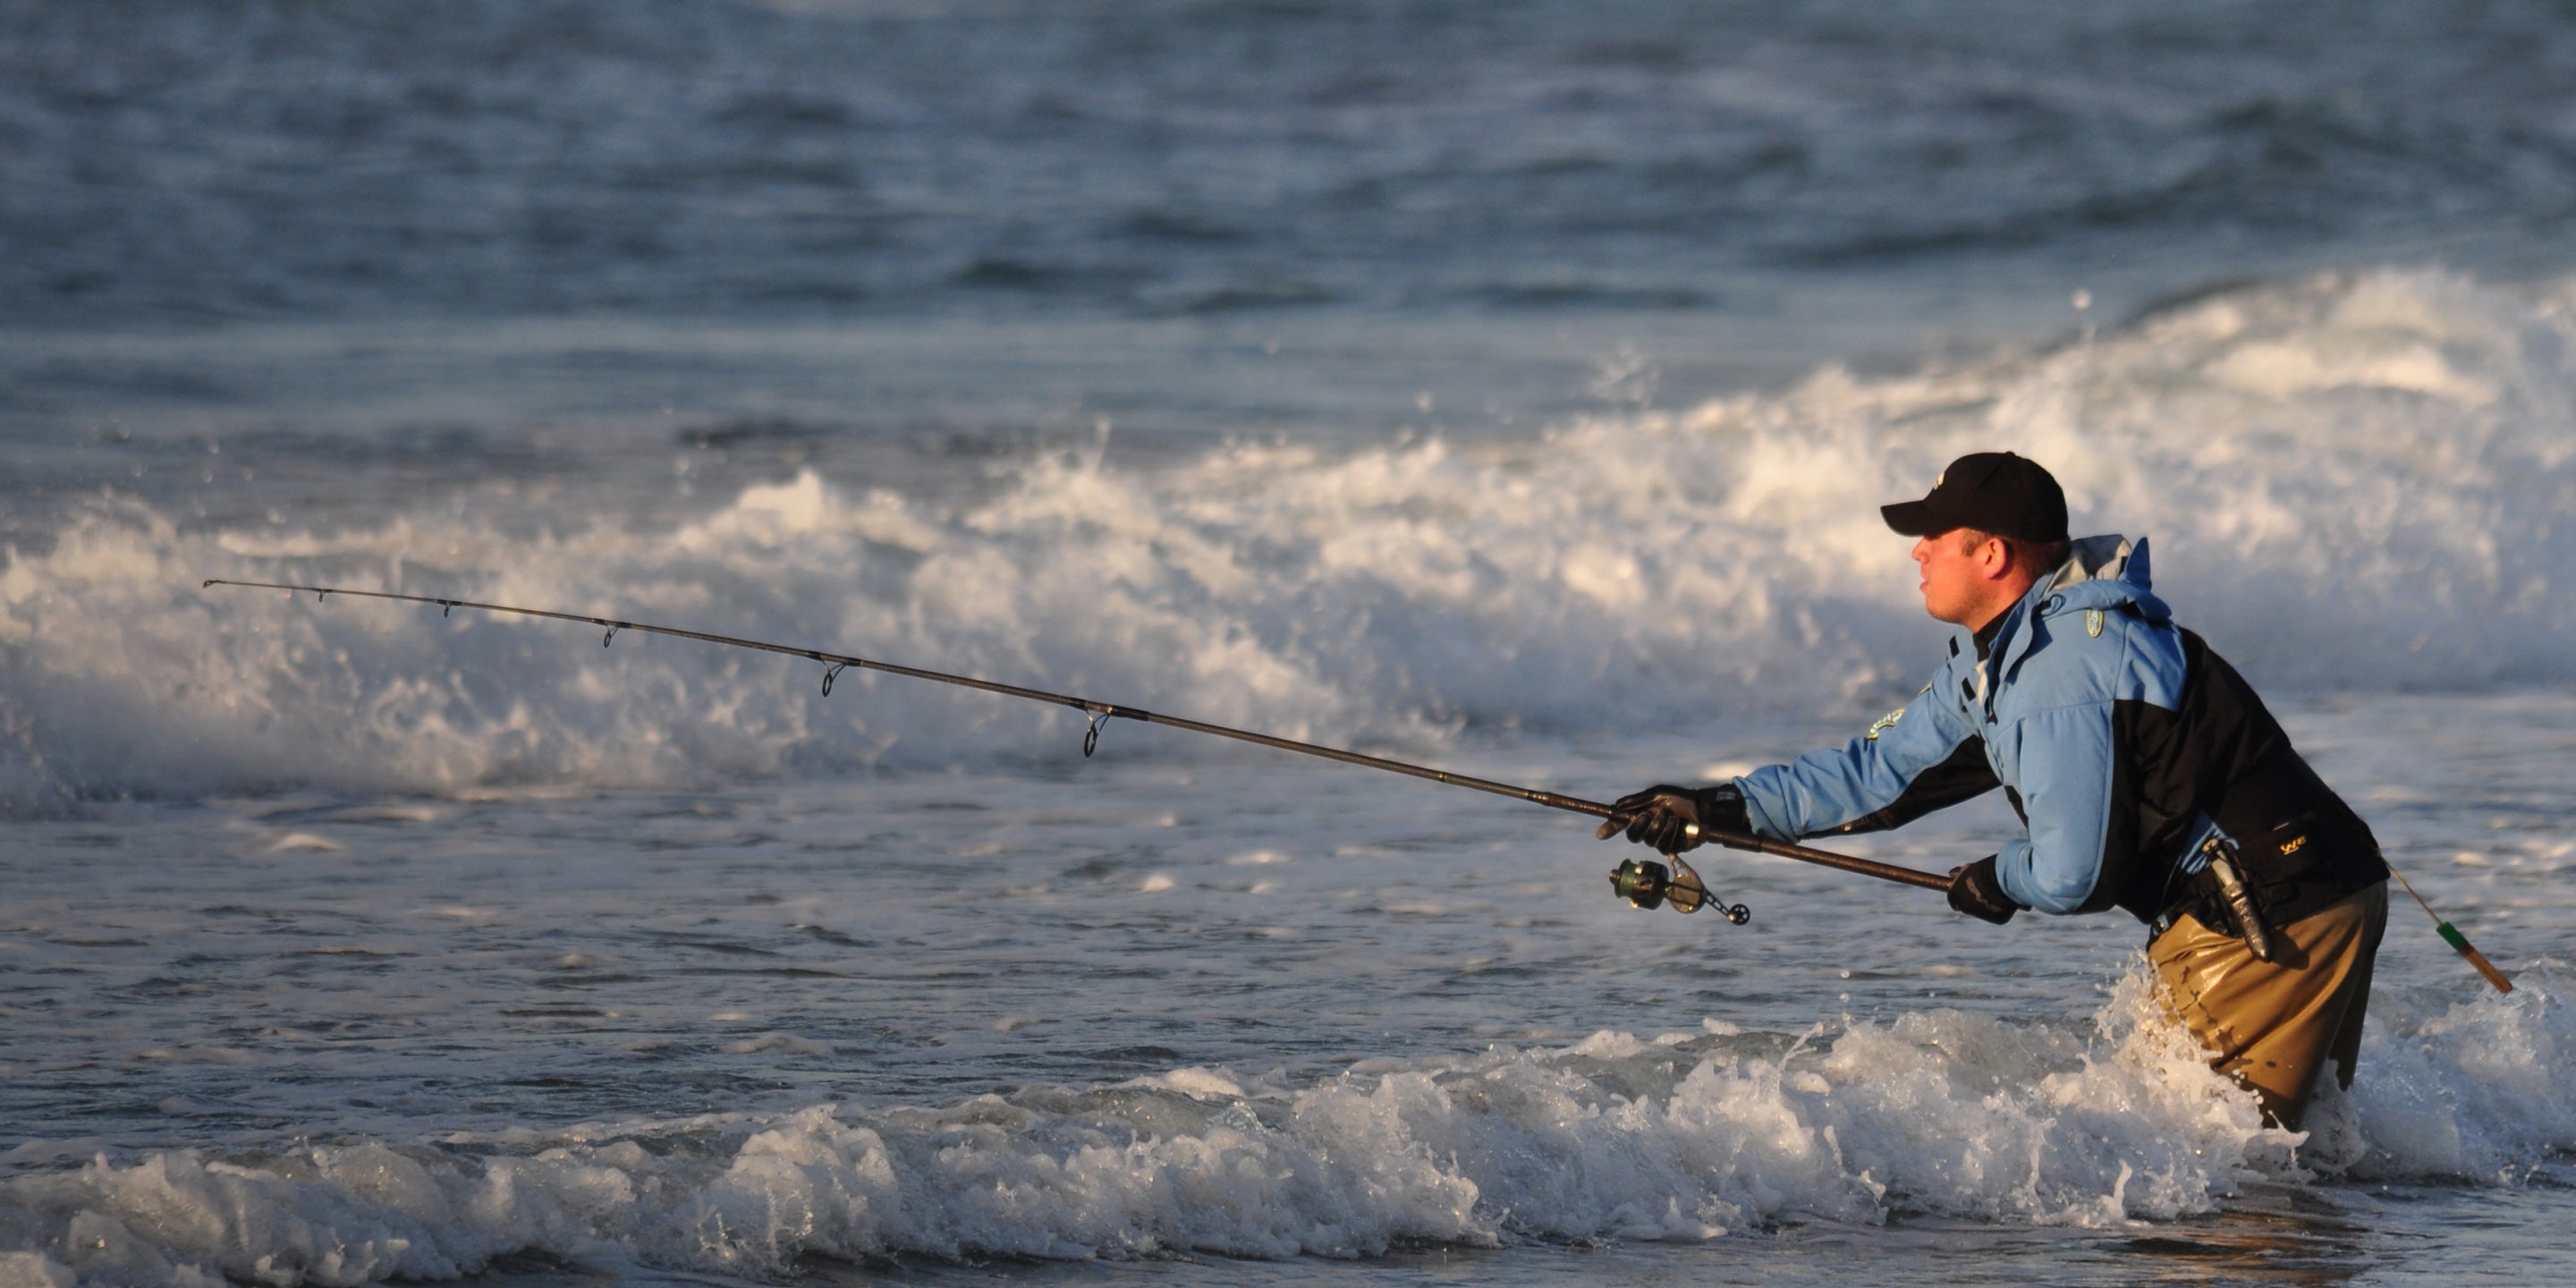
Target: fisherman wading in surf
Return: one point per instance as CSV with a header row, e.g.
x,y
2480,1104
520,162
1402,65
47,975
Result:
x,y
2147,774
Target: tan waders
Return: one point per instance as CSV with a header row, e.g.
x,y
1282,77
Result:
x,y
2272,1025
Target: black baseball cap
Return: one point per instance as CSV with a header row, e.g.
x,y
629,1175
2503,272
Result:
x,y
1997,492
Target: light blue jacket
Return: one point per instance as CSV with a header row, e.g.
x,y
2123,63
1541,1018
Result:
x,y
2045,712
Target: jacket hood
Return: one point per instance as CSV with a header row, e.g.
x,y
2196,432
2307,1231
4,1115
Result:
x,y
2100,573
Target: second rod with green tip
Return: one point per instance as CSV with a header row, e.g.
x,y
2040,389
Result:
x,y
2451,935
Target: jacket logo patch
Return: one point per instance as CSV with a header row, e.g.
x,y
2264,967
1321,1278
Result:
x,y
1881,725
2093,622
2294,845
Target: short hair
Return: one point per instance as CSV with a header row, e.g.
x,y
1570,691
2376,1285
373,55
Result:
x,y
2041,557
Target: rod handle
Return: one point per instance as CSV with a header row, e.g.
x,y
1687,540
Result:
x,y
2450,935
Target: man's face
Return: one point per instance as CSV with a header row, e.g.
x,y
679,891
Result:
x,y
1954,576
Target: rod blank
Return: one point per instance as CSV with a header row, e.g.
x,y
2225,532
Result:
x,y
1102,711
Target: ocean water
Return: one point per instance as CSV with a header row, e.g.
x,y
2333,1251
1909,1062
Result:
x,y
1506,386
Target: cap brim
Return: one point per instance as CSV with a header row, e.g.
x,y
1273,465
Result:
x,y
1912,519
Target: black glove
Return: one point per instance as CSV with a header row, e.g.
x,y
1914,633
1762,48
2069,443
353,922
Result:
x,y
1975,890
1661,816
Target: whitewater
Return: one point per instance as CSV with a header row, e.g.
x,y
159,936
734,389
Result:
x,y
2356,483
347,942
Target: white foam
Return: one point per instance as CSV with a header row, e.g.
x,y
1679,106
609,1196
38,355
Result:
x,y
2478,1089
1196,1081
1690,1135
2350,482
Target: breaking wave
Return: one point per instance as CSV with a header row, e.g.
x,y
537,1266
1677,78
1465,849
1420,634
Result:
x,y
1675,1136
2351,481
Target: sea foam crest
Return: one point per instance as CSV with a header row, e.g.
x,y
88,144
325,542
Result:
x,y
1673,1136
2354,481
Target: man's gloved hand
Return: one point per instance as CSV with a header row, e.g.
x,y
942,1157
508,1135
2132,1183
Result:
x,y
1661,816
1976,891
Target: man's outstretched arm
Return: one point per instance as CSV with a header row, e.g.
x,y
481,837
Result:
x,y
1917,759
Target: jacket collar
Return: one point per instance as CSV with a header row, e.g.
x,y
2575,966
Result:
x,y
2100,573
1984,637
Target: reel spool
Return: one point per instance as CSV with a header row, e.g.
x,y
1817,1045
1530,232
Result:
x,y
1645,883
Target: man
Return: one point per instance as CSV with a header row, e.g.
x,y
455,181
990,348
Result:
x,y
2146,772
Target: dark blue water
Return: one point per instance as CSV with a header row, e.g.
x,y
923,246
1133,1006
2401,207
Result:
x,y
188,163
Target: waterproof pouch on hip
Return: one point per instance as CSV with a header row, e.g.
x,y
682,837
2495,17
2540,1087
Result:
x,y
2308,863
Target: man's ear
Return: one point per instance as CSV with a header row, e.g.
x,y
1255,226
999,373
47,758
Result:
x,y
1994,558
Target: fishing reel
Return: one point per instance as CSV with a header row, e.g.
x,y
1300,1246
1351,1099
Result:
x,y
1645,883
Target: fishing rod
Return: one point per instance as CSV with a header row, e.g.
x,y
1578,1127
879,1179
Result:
x,y
1646,884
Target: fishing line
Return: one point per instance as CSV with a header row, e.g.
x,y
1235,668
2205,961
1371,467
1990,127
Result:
x,y
1645,884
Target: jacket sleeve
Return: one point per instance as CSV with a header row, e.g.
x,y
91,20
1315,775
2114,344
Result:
x,y
2069,761
1919,758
